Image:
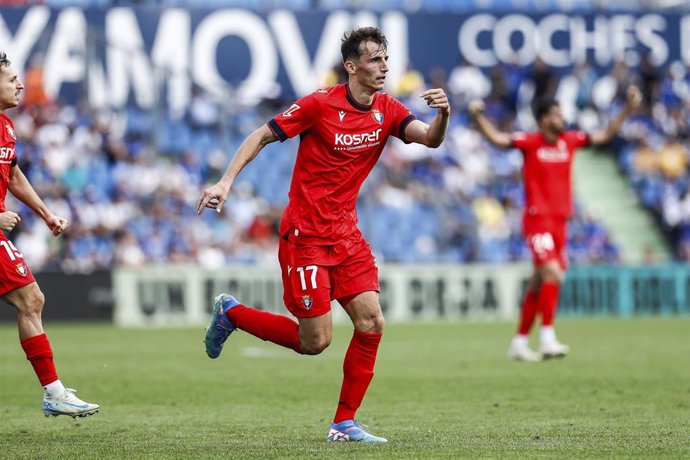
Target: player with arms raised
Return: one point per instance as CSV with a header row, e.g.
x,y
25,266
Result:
x,y
548,156
323,255
17,285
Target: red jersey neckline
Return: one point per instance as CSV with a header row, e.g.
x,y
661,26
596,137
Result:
x,y
350,98
559,136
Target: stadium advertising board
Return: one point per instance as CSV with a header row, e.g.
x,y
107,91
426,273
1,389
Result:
x,y
158,296
184,295
140,56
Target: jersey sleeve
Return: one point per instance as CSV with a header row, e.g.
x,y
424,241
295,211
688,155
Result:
x,y
401,118
298,118
578,139
521,141
8,139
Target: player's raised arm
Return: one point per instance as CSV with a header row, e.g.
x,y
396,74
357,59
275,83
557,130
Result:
x,y
214,197
486,128
633,101
431,135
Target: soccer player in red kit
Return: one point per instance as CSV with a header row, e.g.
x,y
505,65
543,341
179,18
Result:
x,y
548,156
322,253
17,285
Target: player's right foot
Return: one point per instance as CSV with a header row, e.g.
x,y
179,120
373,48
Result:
x,y
67,403
351,431
220,328
553,349
521,352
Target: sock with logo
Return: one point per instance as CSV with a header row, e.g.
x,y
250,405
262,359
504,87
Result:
x,y
358,370
265,325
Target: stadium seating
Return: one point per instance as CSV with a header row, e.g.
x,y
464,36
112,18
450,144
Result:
x,y
129,181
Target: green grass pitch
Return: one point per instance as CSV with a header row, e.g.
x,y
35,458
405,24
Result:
x,y
440,391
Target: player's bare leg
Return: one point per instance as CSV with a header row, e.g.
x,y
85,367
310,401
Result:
x,y
315,333
58,400
551,275
366,315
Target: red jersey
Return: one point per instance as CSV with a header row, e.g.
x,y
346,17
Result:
x,y
340,141
547,171
8,155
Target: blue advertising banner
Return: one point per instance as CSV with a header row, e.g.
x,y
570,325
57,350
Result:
x,y
626,291
143,56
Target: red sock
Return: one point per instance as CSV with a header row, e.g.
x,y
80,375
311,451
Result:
x,y
38,351
548,302
278,329
358,370
528,313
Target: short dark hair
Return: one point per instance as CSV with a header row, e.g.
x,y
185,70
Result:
x,y
4,62
542,106
352,40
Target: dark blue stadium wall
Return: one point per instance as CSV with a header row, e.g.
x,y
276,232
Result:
x,y
71,297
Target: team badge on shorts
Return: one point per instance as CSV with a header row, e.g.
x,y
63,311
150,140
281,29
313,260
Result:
x,y
21,269
307,301
378,116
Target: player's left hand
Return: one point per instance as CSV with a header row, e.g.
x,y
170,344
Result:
x,y
436,98
634,97
57,224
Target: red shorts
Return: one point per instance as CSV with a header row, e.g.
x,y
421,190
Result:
x,y
547,239
13,271
315,275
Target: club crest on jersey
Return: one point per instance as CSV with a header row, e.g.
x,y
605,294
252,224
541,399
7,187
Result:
x,y
378,116
11,131
307,301
22,270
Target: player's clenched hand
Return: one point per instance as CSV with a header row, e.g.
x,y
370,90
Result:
x,y
436,98
56,224
476,107
634,97
214,197
8,220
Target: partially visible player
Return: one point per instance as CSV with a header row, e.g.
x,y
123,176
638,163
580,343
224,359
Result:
x,y
17,285
322,254
548,156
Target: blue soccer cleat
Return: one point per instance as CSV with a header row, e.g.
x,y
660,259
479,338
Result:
x,y
351,431
220,328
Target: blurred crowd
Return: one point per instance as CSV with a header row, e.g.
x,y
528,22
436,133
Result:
x,y
129,181
656,156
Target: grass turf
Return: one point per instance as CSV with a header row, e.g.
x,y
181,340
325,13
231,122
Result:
x,y
440,391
